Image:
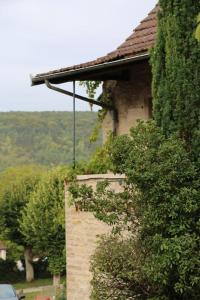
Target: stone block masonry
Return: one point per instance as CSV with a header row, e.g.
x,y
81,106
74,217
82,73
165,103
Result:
x,y
131,99
82,231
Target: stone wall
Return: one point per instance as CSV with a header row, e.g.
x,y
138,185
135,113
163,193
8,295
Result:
x,y
3,254
132,99
82,231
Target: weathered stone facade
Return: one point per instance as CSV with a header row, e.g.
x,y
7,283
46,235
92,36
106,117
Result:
x,y
131,98
132,101
82,230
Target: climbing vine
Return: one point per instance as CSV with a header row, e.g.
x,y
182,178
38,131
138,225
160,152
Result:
x,y
91,87
176,67
105,97
197,33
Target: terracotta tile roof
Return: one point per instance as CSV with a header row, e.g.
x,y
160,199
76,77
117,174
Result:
x,y
139,42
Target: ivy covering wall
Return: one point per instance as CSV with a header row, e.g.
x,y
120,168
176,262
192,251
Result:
x,y
176,71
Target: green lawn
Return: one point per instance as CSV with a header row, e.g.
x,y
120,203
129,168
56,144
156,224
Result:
x,y
35,283
48,292
30,296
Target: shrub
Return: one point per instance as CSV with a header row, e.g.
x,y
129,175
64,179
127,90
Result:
x,y
9,272
160,209
115,267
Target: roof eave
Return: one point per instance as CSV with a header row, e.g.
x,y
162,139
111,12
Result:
x,y
86,73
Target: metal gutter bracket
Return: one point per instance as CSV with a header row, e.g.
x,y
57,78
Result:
x,y
98,103
110,108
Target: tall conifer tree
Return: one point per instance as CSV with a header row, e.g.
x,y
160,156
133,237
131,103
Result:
x,y
176,71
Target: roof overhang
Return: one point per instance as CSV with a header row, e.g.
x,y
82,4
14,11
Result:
x,y
114,70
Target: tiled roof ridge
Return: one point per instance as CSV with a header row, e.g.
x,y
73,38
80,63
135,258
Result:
x,y
146,29
151,16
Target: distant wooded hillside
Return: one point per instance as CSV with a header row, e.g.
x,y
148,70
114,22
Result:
x,y
44,137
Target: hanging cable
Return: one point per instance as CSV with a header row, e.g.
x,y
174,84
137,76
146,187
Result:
x,y
74,125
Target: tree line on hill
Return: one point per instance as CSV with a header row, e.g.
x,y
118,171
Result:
x,y
45,138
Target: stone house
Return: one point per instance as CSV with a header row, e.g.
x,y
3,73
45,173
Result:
x,y
126,75
3,251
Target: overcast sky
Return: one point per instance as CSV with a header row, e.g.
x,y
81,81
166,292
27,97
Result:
x,y
40,35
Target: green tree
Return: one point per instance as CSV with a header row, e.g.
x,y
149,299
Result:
x,y
176,68
159,209
43,220
16,185
164,185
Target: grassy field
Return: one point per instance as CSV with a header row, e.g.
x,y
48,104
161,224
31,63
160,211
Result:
x,y
35,283
31,296
48,292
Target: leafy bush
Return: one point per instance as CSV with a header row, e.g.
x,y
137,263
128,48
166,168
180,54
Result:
x,y
159,208
61,294
115,267
9,272
41,268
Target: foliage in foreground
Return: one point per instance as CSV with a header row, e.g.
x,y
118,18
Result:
x,y
32,208
160,210
43,219
115,268
197,33
9,272
16,186
32,216
176,69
